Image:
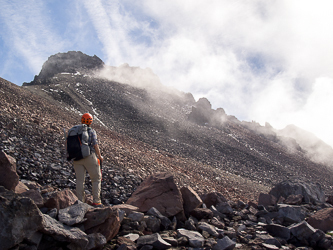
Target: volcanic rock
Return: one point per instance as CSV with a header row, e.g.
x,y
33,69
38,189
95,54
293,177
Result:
x,y
311,192
20,219
8,176
323,219
159,191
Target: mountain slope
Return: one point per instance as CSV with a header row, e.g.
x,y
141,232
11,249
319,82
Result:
x,y
145,130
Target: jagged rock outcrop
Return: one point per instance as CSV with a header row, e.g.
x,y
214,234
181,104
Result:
x,y
70,62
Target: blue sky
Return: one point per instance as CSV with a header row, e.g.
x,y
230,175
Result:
x,y
263,60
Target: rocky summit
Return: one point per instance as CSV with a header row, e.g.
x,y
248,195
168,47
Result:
x,y
258,180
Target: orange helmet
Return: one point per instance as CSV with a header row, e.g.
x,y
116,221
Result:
x,y
86,119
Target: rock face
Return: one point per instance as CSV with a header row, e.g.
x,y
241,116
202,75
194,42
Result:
x,y
310,192
70,62
159,191
8,176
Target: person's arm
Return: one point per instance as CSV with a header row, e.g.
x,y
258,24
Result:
x,y
98,153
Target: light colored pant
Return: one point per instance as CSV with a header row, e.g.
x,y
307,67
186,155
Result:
x,y
89,164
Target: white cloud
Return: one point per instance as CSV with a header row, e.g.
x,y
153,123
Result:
x,y
27,31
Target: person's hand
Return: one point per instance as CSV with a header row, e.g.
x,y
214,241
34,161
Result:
x,y
101,159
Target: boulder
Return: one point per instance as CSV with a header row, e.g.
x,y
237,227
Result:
x,y
153,223
191,200
204,226
267,200
154,240
109,228
224,208
61,199
8,176
213,198
159,191
21,188
164,220
73,214
225,244
65,233
21,217
127,208
35,196
294,199
323,219
202,213
302,231
195,239
311,192
290,213
96,241
279,231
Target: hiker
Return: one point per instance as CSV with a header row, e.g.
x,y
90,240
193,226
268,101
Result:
x,y
85,163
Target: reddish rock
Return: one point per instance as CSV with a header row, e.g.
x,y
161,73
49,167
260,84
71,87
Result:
x,y
322,220
191,199
109,228
213,198
159,191
8,176
294,199
267,200
61,199
21,188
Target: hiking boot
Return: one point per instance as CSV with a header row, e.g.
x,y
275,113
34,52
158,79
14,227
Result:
x,y
97,204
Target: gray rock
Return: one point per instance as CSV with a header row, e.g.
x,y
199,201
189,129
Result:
x,y
208,228
224,208
277,230
164,220
291,213
302,230
153,223
225,244
191,223
195,238
64,233
21,217
268,239
136,216
73,214
311,192
53,213
96,240
154,240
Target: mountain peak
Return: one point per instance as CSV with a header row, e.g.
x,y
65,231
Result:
x,y
69,62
